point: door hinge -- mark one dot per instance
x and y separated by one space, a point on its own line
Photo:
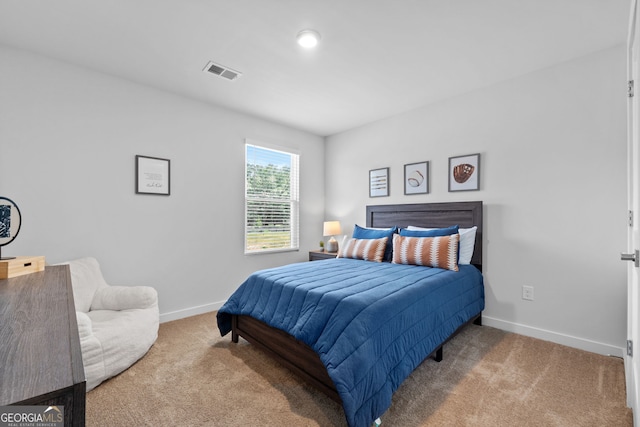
630 348
630 90
630 218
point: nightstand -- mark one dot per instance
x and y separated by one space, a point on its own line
318 255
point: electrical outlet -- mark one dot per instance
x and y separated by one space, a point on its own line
527 293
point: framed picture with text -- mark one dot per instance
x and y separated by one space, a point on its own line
153 175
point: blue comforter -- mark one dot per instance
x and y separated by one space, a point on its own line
371 323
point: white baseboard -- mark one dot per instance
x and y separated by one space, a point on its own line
192 311
558 338
530 331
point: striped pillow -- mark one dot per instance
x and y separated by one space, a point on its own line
365 249
440 252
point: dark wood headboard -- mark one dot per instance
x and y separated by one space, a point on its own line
464 214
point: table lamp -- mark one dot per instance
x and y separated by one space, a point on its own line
332 228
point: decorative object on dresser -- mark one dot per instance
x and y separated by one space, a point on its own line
10 222
42 360
117 324
332 228
21 265
464 173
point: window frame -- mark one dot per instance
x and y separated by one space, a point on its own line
293 200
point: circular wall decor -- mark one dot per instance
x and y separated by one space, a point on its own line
10 221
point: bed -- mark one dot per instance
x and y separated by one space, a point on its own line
356 329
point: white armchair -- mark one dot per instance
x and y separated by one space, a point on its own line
117 324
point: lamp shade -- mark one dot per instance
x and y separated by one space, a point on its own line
331 228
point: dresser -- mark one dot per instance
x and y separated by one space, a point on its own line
40 356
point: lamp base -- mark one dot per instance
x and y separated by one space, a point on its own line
332 245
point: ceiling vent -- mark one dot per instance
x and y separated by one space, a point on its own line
222 71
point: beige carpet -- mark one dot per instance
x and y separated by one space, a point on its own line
193 377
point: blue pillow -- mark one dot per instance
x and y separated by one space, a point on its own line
436 232
372 233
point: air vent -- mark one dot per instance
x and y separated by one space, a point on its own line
222 71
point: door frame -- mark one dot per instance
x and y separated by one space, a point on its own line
632 364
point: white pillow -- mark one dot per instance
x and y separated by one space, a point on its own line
467 242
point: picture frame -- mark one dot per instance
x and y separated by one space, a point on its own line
153 175
379 182
416 178
464 173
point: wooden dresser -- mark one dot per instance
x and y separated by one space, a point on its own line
40 356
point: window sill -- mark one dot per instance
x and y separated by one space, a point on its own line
272 251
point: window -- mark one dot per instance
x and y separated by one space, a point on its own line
271 200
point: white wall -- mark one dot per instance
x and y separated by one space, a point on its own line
553 181
68 137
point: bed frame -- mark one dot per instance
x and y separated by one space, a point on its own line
299 357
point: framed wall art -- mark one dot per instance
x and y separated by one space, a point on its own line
416 178
379 182
153 175
464 173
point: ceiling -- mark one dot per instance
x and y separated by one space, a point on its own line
377 58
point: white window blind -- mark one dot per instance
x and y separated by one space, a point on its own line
271 200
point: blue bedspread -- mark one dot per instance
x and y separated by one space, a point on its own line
371 323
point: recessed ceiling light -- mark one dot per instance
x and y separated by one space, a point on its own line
308 38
